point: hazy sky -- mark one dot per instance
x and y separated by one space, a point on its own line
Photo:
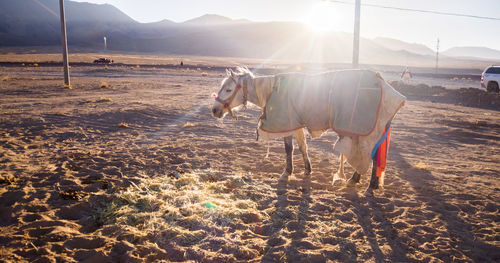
407 26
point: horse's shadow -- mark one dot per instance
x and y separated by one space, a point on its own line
276 250
462 240
368 211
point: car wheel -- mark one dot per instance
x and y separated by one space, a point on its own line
492 87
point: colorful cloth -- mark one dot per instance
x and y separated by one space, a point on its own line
381 150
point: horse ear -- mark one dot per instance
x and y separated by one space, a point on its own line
232 73
228 73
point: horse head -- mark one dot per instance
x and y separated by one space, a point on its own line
232 93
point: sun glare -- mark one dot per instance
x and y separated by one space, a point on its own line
321 18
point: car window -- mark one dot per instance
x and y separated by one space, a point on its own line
493 70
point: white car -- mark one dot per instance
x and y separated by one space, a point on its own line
490 79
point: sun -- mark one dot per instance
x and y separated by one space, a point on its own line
321 18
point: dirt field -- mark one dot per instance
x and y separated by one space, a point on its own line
136 169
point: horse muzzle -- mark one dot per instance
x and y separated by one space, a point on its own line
217 112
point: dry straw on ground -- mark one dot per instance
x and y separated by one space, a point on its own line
104 99
421 166
104 85
186 210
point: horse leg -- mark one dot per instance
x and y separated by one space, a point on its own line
381 155
289 154
354 179
301 140
374 181
340 173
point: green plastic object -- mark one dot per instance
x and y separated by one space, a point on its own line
210 205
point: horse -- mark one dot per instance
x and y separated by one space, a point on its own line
240 87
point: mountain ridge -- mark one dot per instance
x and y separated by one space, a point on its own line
210 35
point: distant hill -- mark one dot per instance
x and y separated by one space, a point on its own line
478 52
29 22
398 45
212 20
36 23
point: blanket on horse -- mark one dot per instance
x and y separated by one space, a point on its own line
357 104
345 101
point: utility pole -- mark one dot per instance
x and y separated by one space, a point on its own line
355 44
64 43
105 45
437 55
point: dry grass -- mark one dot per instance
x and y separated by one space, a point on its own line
22 65
104 99
104 85
204 74
6 78
421 166
188 124
68 86
35 65
123 125
187 210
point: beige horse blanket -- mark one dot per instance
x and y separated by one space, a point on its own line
357 104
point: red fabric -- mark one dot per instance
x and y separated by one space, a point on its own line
382 152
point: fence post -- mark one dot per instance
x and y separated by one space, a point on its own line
355 44
64 43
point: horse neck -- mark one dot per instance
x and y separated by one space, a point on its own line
261 90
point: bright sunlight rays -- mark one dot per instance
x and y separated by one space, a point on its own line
321 18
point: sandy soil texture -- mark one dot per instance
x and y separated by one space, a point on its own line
129 166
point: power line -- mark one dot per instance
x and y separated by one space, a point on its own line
417 10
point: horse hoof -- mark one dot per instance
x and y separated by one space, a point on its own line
351 183
284 177
369 192
337 180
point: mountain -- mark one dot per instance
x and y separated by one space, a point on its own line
29 22
398 45
36 23
478 52
212 20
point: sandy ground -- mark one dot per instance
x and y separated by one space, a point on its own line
138 170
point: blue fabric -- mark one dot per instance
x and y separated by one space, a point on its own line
382 139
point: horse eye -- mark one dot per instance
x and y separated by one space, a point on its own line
228 90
